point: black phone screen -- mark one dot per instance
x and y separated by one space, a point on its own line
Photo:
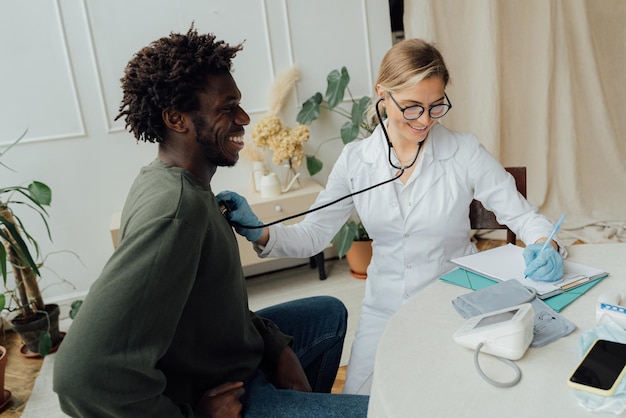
602 365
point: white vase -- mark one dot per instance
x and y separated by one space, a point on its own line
258 171
270 185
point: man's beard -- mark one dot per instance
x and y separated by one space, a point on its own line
214 154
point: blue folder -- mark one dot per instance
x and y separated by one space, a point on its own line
470 280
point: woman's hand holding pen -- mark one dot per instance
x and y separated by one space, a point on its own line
544 264
543 261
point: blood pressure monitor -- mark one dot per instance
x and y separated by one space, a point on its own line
505 333
611 306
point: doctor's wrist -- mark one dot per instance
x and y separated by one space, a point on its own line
553 243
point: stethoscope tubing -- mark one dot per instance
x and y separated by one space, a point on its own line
402 169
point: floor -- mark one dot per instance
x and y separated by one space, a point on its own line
19 377
21 372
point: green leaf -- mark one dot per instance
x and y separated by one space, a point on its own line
34 192
22 250
75 308
41 193
310 110
344 238
358 110
337 83
3 301
362 234
349 132
19 189
3 263
313 165
12 145
45 343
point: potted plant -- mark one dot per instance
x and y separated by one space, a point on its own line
35 321
6 394
356 127
354 243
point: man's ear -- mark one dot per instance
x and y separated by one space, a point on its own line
175 120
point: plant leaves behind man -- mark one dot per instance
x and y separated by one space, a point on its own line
75 307
40 193
45 343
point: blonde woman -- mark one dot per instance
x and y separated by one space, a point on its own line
418 215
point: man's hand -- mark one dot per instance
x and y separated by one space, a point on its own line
289 372
222 401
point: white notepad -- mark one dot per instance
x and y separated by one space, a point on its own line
506 262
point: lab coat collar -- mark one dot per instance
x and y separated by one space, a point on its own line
440 145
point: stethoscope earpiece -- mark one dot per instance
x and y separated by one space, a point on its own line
390 145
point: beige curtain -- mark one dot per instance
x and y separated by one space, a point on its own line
542 83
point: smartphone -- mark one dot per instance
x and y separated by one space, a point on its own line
601 368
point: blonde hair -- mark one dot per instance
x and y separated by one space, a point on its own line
407 63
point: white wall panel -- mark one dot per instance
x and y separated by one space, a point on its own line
118 30
330 41
36 79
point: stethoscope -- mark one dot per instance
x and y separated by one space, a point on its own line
401 168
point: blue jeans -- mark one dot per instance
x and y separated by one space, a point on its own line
318 327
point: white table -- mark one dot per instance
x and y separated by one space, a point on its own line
421 372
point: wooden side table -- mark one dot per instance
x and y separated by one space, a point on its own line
275 208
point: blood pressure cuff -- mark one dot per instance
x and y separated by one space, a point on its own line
615 403
549 325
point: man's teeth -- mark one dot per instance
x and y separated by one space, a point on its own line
237 139
418 128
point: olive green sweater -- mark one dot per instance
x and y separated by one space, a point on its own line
168 317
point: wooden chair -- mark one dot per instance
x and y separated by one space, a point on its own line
481 218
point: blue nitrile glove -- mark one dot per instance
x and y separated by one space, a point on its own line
240 215
546 265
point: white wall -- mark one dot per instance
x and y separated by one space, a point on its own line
61 61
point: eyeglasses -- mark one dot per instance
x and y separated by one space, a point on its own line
414 112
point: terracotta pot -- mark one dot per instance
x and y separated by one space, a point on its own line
358 257
31 330
5 395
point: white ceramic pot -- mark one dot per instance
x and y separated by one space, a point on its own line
270 185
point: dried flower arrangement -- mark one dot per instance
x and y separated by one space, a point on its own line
269 132
284 142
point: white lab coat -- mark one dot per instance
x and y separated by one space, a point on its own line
410 251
